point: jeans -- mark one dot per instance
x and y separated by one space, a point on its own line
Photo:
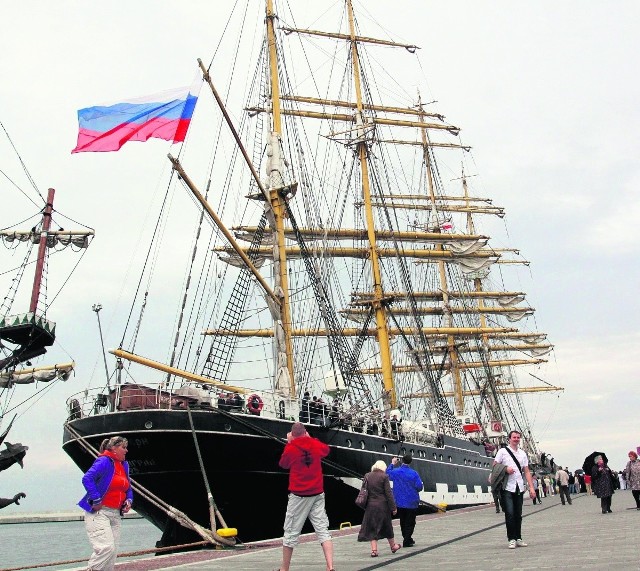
636 497
512 507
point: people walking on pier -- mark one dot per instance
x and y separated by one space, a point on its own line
376 523
602 483
632 473
407 486
562 477
108 497
587 483
302 456
536 487
4 502
517 465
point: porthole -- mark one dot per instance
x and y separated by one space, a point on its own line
349 443
440 457
465 461
422 454
450 459
435 456
148 424
411 452
384 447
403 451
227 427
362 445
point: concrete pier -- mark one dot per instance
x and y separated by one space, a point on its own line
576 536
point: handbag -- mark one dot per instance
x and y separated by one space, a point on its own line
363 495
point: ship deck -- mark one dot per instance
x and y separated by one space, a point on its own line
574 536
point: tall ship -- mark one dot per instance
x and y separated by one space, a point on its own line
339 272
27 330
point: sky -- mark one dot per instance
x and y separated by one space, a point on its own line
545 92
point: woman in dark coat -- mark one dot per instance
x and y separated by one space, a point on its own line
381 506
601 483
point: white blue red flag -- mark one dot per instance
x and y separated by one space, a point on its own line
165 115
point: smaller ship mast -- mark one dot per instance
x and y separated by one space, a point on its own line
42 251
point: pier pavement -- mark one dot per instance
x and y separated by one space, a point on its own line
576 536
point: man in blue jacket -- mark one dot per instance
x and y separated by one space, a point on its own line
406 487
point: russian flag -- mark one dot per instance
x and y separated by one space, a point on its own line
165 115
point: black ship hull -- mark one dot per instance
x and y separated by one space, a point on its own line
240 453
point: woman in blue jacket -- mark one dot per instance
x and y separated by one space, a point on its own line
108 497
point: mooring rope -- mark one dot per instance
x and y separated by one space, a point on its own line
206 534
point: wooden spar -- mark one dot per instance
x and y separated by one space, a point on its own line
499 390
175 371
353 105
223 109
437 295
349 252
42 251
236 247
459 366
420 144
347 233
32 370
351 37
497 210
430 310
49 233
375 120
352 331
440 197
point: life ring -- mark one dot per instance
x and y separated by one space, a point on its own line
255 404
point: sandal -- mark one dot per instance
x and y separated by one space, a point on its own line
395 548
374 553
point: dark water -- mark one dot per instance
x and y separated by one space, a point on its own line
24 544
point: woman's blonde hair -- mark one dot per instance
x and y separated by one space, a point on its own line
379 465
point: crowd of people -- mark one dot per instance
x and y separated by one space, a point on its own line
108 493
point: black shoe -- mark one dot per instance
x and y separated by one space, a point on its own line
604 511
497 511
609 512
408 543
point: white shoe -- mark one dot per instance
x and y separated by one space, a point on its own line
512 544
521 543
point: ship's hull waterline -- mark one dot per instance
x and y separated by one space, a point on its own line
241 464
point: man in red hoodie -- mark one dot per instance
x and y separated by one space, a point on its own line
302 456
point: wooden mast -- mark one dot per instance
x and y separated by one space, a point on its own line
42 251
378 293
451 342
276 188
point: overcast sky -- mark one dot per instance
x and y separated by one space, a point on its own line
546 93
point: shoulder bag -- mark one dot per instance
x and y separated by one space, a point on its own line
515 460
363 495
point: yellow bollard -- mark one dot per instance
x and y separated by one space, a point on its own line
345 524
442 507
227 532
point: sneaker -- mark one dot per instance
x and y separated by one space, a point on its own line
512 544
521 543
